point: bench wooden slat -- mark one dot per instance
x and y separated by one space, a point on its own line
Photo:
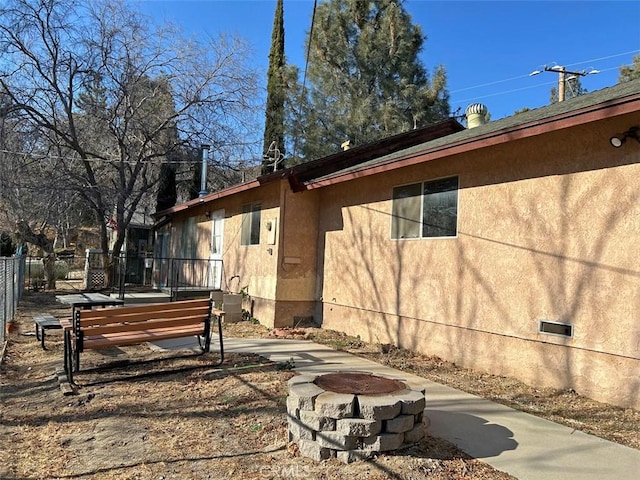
138 337
149 308
141 317
195 320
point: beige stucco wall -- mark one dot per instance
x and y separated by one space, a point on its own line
279 274
548 228
251 268
297 273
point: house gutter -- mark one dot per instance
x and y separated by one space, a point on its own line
561 121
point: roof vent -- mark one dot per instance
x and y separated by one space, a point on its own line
476 114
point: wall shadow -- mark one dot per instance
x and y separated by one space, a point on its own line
543 234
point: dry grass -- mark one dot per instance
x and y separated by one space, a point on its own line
171 418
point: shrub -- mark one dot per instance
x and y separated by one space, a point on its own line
35 268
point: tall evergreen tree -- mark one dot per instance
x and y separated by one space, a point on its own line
366 80
167 191
273 149
572 88
630 72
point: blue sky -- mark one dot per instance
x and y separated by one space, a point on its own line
488 48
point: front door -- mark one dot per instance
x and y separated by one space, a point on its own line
215 259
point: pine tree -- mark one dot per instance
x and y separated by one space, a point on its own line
572 88
167 191
630 72
273 149
365 78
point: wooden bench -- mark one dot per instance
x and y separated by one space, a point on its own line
122 326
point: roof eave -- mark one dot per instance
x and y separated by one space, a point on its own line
196 202
299 175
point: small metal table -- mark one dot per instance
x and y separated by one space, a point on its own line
44 322
86 301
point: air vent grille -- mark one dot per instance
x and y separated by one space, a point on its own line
556 328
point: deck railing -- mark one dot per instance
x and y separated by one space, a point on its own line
167 273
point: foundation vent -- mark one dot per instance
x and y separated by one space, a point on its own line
556 328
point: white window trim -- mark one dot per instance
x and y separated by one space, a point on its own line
421 238
251 205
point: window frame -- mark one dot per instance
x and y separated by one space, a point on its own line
189 241
251 223
420 222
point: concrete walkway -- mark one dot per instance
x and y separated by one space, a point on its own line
522 445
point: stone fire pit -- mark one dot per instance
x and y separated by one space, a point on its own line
352 415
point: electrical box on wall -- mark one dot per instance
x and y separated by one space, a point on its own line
272 228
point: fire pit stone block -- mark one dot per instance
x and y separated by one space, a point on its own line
313 450
380 407
335 405
416 434
304 395
298 430
317 422
383 442
400 424
358 427
304 378
412 401
336 441
349 456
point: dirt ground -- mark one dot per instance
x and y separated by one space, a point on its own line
179 418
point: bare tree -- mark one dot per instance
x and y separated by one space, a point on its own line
113 97
32 199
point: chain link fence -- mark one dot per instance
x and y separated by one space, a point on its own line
12 271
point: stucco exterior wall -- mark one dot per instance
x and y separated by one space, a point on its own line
548 228
297 272
278 274
252 268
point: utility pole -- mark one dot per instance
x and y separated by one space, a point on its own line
562 77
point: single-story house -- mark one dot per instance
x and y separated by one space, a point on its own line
512 247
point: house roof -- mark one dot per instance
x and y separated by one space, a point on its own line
358 155
299 174
437 141
608 102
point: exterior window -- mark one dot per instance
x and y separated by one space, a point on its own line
188 245
250 224
425 210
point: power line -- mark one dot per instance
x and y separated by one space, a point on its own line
306 68
604 58
524 76
37 157
504 92
487 84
